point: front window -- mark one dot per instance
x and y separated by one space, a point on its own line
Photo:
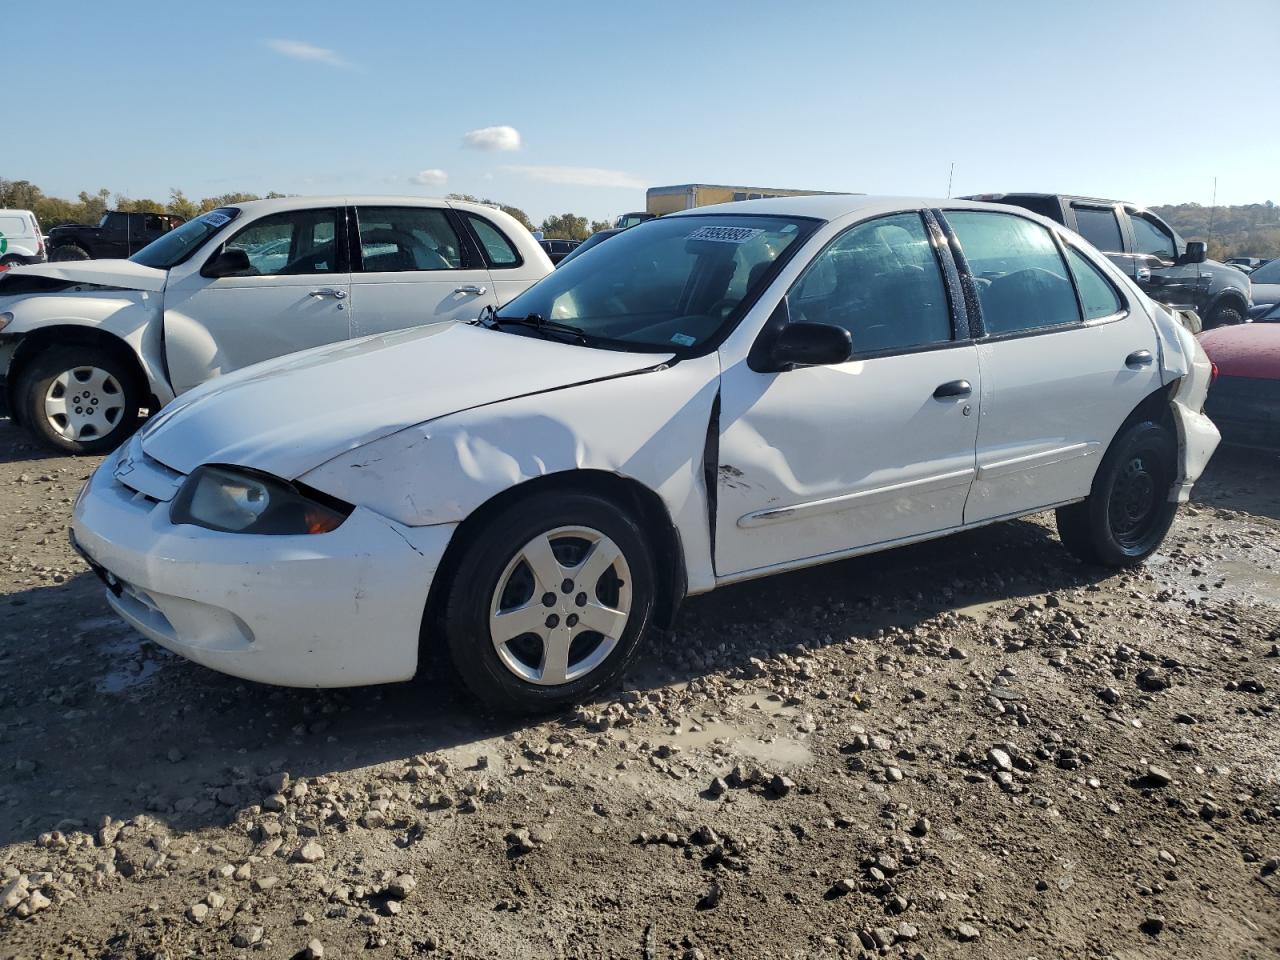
289 244
179 243
1151 239
667 284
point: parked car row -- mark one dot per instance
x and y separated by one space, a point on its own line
706 398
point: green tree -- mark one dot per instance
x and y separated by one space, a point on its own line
566 226
180 206
598 225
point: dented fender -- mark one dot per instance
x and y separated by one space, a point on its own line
650 427
1183 361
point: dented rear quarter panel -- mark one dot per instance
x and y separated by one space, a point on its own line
650 427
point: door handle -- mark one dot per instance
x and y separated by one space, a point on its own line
1139 358
954 388
330 292
470 288
1144 273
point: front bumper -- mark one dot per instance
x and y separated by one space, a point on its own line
330 610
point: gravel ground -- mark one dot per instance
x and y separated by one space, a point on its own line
974 748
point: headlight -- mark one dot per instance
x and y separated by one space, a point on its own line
241 501
6 318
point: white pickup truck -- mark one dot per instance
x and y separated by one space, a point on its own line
86 347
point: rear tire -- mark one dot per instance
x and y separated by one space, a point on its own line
1128 512
80 399
598 572
1226 315
68 251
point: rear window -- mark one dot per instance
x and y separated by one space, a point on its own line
1100 227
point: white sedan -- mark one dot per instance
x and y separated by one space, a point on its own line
709 397
85 346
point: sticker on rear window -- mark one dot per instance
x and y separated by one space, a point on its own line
726 234
683 339
216 219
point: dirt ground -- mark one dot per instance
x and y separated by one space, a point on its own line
975 747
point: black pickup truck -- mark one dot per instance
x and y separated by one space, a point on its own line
117 235
1168 268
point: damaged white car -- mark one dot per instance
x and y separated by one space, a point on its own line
710 397
86 346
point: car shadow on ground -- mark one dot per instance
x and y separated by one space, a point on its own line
17 446
99 721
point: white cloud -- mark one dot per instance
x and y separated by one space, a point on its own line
580 176
435 177
301 50
493 138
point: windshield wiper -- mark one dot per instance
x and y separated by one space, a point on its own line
535 321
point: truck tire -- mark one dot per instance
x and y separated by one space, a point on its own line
80 399
68 251
1226 314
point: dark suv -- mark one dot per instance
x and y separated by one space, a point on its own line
117 235
1168 268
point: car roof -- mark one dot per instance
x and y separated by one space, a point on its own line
281 204
834 206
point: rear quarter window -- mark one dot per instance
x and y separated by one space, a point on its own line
14 227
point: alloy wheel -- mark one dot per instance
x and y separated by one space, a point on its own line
561 605
84 403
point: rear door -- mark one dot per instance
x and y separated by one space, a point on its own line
1065 358
1100 224
293 296
414 265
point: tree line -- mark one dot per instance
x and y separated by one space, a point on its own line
1245 230
89 208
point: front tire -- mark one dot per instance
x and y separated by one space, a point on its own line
80 399
549 602
1128 511
68 251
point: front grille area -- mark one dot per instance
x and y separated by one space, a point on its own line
146 476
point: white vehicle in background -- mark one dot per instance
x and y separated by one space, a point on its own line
21 241
85 346
709 397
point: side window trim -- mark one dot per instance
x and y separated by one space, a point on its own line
956 327
473 238
1126 306
986 336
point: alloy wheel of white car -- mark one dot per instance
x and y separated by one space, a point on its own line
84 403
561 605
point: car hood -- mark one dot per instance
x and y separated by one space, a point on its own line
288 416
124 274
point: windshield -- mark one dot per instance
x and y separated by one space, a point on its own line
180 242
1267 273
666 284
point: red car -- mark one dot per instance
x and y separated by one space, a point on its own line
1244 400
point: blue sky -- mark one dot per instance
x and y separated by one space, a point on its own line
1147 102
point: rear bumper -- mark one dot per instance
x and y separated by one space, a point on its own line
331 610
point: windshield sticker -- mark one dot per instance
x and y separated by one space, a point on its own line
725 234
683 339
216 219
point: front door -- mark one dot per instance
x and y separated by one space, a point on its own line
1160 271
293 296
414 267
823 460
1064 359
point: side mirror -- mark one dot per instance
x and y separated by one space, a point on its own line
1197 252
809 345
229 263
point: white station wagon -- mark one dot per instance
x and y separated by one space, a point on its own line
708 397
86 345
